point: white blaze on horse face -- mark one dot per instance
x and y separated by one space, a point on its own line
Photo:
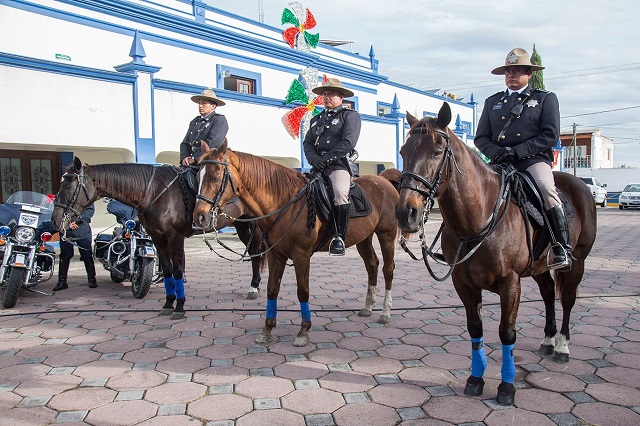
202 173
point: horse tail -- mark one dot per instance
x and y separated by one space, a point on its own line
393 176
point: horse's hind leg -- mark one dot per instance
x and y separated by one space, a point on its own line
371 262
567 285
547 291
302 266
472 300
387 246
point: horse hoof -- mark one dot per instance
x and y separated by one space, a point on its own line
561 358
384 319
364 312
301 341
252 294
263 339
474 387
546 350
506 394
176 315
166 311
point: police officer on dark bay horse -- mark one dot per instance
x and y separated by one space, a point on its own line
521 126
332 136
209 126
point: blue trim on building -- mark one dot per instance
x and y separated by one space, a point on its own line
238 72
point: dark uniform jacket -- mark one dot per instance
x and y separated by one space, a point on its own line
334 134
84 228
212 129
532 135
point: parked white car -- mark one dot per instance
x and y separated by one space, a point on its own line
597 189
630 197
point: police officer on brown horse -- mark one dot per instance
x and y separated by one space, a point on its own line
521 126
332 136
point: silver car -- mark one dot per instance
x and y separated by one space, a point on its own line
630 196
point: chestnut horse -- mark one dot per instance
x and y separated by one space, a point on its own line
277 196
156 193
488 250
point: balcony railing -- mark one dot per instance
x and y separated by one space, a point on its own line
583 161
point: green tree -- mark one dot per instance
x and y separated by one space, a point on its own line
537 80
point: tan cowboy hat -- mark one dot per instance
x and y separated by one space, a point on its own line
333 84
207 94
517 57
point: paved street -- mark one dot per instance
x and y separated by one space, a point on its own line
102 357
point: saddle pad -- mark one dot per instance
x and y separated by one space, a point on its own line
323 197
360 205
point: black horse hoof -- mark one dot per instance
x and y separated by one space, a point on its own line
474 387
546 350
560 358
506 394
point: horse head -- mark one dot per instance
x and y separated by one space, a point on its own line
75 194
425 154
213 190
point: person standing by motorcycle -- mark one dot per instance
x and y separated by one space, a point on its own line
79 233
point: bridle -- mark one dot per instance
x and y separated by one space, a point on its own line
226 179
66 216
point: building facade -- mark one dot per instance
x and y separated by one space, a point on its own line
592 151
110 81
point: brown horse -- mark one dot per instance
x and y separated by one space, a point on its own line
156 193
277 195
438 165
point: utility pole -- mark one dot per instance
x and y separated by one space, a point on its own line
260 11
574 149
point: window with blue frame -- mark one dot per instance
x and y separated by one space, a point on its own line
239 80
383 109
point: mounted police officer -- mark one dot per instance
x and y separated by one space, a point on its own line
331 138
521 126
80 233
209 126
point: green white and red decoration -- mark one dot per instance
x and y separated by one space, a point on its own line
302 20
298 119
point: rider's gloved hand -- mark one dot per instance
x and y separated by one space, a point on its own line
505 154
319 163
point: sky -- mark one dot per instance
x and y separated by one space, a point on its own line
590 49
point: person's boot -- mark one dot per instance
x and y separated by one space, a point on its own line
561 251
63 270
341 220
90 267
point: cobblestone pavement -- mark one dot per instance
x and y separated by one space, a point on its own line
101 357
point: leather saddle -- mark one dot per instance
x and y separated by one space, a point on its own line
322 193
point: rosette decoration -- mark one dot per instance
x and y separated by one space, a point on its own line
302 20
300 93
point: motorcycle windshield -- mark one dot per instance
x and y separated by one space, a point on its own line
32 199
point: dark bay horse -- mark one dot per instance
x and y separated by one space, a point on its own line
157 194
265 188
438 165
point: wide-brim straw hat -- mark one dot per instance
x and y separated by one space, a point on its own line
335 85
517 57
207 94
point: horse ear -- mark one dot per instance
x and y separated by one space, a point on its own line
204 147
411 119
444 115
77 164
223 148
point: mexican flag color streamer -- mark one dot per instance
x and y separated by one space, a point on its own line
302 20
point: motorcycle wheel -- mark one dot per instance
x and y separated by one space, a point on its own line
12 289
116 278
143 276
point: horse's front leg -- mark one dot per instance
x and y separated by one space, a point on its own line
277 262
178 278
371 263
472 299
509 303
302 265
547 291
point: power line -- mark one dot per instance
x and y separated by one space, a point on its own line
601 112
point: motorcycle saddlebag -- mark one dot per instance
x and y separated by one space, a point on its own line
101 245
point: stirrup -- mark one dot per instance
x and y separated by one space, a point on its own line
559 261
336 247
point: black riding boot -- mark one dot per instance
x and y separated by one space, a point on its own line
90 267
561 255
63 270
341 220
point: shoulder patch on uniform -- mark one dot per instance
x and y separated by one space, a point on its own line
497 94
540 90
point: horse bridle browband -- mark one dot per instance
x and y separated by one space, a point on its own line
226 178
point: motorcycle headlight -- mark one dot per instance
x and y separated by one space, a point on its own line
24 234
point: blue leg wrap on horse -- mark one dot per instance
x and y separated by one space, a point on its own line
179 288
478 358
272 308
304 311
169 286
508 364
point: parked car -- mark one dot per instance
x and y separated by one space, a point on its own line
597 189
630 196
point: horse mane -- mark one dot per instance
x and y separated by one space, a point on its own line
267 172
130 178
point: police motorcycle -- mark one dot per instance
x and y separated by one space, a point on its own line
127 252
27 258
